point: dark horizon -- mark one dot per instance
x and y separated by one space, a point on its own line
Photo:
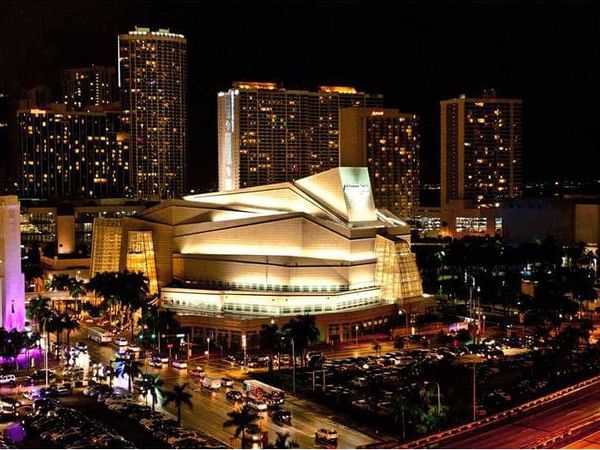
414 53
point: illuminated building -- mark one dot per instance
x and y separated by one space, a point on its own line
387 142
89 87
12 283
152 75
106 243
481 161
268 134
69 154
317 245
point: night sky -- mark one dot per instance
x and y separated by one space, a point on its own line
415 53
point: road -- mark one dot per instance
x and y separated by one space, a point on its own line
211 408
525 432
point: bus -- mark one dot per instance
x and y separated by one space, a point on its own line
263 393
99 335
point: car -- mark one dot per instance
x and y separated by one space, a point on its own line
135 348
63 389
252 436
197 372
40 375
155 363
257 406
234 396
9 404
8 379
226 382
179 364
282 416
121 341
189 442
81 346
326 435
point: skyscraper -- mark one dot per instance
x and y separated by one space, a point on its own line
72 154
89 87
152 75
387 142
12 282
481 160
269 134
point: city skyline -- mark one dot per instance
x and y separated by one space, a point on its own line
507 62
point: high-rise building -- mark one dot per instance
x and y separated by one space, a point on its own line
12 283
152 75
481 160
70 154
89 87
269 134
387 142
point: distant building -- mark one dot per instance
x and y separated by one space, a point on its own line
387 142
71 154
152 75
86 88
12 284
268 134
481 160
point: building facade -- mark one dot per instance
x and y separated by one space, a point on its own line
387 142
12 282
152 76
71 154
234 260
481 160
268 134
87 88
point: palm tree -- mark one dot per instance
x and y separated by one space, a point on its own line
303 329
54 324
38 309
153 385
16 341
180 397
283 441
241 420
76 290
60 282
269 339
69 324
129 367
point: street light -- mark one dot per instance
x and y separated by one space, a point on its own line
208 348
439 402
356 329
400 312
293 363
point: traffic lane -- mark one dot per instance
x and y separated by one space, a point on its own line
542 424
591 441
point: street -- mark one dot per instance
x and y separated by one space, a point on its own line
549 421
211 408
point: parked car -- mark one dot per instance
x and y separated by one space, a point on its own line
226 382
8 379
81 346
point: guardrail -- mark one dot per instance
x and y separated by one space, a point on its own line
503 415
568 433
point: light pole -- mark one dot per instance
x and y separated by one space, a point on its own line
46 351
293 364
208 349
356 337
401 312
483 328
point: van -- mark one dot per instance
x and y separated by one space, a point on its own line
8 379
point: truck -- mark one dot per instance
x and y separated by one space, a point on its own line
99 335
263 393
211 383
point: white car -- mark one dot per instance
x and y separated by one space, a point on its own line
178 364
325 435
121 341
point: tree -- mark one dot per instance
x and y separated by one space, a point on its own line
60 282
54 324
16 341
76 290
69 324
303 329
38 310
180 397
129 367
241 420
269 340
377 347
153 385
283 441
